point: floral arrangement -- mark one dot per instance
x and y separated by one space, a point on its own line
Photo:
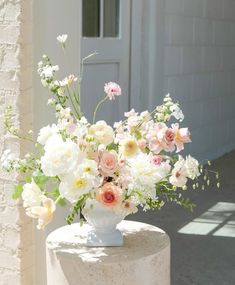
134 163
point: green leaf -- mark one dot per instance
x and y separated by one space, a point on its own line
62 202
18 191
39 178
137 135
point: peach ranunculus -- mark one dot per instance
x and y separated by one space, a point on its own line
108 163
182 136
109 195
43 213
112 89
102 132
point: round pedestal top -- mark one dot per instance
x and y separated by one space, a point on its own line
140 240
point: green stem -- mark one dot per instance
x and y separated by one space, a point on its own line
97 107
71 100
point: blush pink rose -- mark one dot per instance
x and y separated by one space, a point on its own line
112 89
108 163
109 195
166 137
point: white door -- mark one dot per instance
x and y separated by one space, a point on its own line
106 30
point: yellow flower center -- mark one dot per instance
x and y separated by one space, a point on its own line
79 183
87 169
130 148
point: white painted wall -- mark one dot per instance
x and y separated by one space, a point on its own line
199 70
16 230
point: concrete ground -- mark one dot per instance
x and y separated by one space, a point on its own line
204 253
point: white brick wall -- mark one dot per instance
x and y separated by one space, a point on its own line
16 242
200 70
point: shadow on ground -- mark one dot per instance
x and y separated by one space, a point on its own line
202 242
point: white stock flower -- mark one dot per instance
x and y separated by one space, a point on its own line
7 157
62 38
45 133
31 195
48 71
60 156
177 112
191 165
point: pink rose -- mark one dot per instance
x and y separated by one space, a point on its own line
109 195
166 137
108 163
112 89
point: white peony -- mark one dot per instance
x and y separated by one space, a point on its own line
145 171
102 132
60 156
45 133
191 165
31 195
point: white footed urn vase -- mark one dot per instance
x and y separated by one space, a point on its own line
103 221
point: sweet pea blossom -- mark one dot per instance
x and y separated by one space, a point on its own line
182 136
179 173
112 89
43 213
31 195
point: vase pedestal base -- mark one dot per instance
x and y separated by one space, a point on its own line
99 238
144 257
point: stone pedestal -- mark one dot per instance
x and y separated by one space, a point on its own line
143 259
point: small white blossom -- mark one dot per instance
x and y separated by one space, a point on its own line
62 38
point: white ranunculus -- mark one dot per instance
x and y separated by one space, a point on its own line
31 195
45 133
102 132
191 165
74 185
60 156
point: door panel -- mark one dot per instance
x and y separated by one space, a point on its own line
110 64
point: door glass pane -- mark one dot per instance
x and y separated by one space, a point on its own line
111 18
90 18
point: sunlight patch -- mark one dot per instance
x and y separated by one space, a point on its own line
219 221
